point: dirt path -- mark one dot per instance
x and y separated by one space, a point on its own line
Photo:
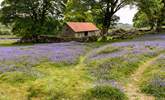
132 88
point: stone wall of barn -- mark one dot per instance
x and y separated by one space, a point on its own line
94 33
90 34
68 32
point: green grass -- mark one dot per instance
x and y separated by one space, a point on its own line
8 36
108 50
12 42
7 42
54 82
154 79
16 78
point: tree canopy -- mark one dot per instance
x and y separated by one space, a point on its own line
77 10
86 11
151 13
29 18
105 10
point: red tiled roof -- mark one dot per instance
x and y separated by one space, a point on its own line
82 26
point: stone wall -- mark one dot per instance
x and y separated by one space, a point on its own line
90 34
68 32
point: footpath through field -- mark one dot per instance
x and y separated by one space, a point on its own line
132 88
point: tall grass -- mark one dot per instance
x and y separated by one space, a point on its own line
153 82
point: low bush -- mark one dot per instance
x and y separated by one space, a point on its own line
105 93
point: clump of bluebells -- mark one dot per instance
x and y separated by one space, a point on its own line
68 53
124 48
122 62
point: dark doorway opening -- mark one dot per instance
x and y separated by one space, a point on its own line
86 33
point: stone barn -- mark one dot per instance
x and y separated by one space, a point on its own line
80 30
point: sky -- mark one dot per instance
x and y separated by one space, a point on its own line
126 14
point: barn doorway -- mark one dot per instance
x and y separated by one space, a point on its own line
86 34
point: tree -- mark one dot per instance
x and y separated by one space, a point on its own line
153 11
80 10
106 10
163 10
161 19
141 20
76 10
31 18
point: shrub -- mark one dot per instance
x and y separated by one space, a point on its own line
105 93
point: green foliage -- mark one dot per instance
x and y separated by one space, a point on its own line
105 93
30 18
27 28
81 11
104 12
94 11
77 11
5 30
140 20
149 13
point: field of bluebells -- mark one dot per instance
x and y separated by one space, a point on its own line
81 71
